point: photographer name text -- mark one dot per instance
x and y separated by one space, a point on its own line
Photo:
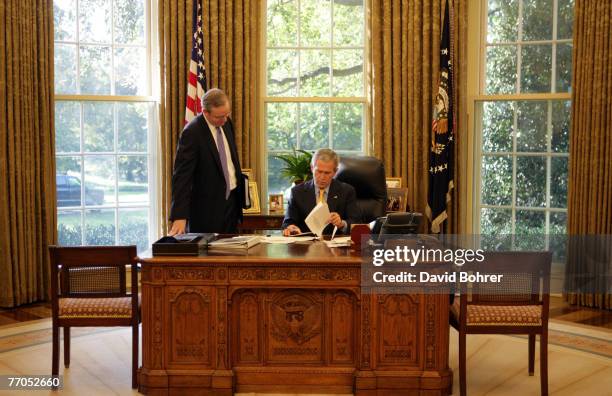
426 277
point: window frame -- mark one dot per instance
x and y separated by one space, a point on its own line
151 99
265 99
477 97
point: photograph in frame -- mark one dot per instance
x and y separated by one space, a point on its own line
275 203
396 199
394 182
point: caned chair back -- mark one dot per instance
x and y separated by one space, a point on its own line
525 279
92 271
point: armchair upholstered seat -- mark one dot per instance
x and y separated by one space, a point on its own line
500 315
367 176
117 307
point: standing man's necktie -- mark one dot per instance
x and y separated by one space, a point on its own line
223 158
321 195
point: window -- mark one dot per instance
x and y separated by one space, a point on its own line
523 111
104 122
315 79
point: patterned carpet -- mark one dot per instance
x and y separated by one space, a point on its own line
581 338
580 361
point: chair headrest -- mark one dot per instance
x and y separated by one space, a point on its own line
366 174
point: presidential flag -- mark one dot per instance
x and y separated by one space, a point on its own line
196 84
441 153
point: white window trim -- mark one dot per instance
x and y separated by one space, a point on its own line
472 149
152 68
262 175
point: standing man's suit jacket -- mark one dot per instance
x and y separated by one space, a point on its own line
341 198
198 184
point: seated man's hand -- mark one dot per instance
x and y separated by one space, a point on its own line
178 227
335 219
291 230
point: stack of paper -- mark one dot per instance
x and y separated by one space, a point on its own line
287 240
237 242
339 242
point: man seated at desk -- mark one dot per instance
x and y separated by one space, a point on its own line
339 196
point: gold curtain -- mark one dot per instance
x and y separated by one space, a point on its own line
590 171
231 53
404 39
174 21
27 162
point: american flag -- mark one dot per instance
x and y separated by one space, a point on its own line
196 85
443 127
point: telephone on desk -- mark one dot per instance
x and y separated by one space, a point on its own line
396 223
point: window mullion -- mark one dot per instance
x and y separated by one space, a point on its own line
112 49
116 156
553 73
78 48
331 57
299 50
519 47
514 161
548 164
330 121
82 161
298 126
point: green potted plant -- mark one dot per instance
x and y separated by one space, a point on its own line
297 166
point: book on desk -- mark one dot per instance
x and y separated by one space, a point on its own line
237 242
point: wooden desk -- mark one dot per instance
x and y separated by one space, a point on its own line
262 221
286 318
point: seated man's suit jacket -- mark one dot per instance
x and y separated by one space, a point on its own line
341 198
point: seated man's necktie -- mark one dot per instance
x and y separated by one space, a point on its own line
321 195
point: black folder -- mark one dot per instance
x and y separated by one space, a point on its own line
182 245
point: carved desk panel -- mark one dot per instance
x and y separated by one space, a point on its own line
286 319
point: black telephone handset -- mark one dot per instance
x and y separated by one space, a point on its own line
376 225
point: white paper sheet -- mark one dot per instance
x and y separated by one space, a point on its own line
318 218
339 242
286 240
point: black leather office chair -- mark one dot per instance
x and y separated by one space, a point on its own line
367 176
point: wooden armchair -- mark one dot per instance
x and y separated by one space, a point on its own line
518 304
92 292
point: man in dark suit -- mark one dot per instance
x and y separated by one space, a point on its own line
339 196
207 184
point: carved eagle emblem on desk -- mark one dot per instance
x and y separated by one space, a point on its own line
295 318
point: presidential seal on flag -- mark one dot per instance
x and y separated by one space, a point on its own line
441 155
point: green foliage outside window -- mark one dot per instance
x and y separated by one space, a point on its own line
315 49
100 49
525 143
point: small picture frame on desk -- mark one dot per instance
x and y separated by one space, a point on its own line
254 194
394 182
275 203
396 199
249 173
